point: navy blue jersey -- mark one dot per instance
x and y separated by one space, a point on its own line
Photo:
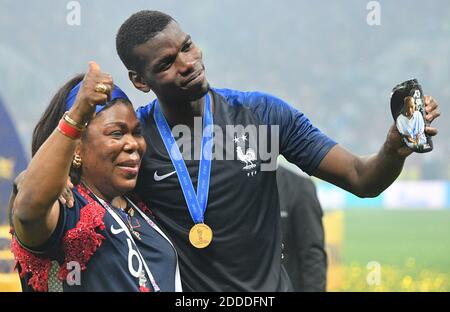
243 208
115 264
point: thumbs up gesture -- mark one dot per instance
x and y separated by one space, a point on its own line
95 90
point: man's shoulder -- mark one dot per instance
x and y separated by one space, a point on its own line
142 112
259 102
226 92
246 98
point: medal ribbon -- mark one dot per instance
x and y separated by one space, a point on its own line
196 202
122 224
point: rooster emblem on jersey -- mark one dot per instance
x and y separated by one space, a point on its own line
248 157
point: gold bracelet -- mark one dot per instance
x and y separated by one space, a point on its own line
72 122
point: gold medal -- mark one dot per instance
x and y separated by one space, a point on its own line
200 235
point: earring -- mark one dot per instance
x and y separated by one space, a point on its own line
76 162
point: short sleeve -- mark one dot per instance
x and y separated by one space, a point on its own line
300 141
48 248
67 220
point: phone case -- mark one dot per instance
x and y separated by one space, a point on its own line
408 111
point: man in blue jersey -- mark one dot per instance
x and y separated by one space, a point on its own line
222 213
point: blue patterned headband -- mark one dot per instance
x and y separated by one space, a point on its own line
116 93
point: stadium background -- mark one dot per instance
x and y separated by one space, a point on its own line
322 57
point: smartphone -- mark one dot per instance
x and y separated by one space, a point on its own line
408 111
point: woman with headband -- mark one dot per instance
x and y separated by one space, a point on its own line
108 241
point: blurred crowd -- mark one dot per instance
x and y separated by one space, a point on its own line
322 57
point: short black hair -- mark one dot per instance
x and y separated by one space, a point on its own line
136 30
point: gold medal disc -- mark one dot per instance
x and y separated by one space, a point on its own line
200 235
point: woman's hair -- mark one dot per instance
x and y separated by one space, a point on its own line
50 119
53 114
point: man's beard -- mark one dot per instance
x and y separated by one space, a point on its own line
200 94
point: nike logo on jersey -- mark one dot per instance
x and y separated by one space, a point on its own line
116 231
158 178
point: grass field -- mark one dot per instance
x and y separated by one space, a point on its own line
412 248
